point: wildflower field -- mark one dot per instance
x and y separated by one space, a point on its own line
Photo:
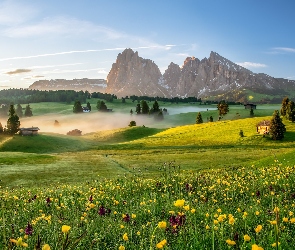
233 208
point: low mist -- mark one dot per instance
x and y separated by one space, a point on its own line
86 122
95 121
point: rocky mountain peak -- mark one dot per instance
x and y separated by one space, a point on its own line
133 75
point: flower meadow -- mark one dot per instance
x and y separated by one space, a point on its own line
229 208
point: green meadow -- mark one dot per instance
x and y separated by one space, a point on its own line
171 184
141 150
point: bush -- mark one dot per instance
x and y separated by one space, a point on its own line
132 124
75 132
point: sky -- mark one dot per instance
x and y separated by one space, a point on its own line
81 39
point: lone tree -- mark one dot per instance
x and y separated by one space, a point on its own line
290 111
138 109
132 124
28 111
156 107
13 122
145 107
251 112
284 106
277 128
19 110
222 107
131 112
211 118
101 106
89 106
199 118
77 107
1 128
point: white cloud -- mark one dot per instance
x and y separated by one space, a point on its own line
12 12
83 51
61 26
251 65
284 49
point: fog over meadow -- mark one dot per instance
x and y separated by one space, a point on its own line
97 121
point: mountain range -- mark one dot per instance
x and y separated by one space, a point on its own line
214 77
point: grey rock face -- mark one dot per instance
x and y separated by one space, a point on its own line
133 75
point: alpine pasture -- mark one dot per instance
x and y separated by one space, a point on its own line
171 184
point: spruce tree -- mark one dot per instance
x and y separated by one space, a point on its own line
101 106
28 111
145 107
290 110
222 107
277 128
156 107
1 128
88 106
77 107
19 110
138 109
284 106
13 122
251 112
199 118
211 118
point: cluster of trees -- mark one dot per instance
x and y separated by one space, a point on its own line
107 97
288 109
143 108
19 110
8 96
78 107
164 99
13 122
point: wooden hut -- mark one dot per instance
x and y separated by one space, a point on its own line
263 127
29 131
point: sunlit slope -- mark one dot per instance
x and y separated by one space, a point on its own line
45 143
217 134
122 134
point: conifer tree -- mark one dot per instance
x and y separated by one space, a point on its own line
138 109
28 111
19 110
1 128
101 106
88 106
144 108
199 118
13 122
77 107
251 112
277 128
222 107
284 106
290 110
211 118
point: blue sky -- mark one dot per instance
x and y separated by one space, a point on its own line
81 39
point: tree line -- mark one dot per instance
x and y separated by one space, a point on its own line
9 96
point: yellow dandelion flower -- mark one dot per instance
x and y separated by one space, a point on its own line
230 242
179 203
46 247
162 224
193 211
65 229
133 216
161 244
138 233
285 219
125 237
121 247
256 247
275 244
258 228
292 220
247 237
207 227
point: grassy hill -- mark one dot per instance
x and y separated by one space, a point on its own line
141 151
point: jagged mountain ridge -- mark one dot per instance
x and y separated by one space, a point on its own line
91 85
213 77
216 75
